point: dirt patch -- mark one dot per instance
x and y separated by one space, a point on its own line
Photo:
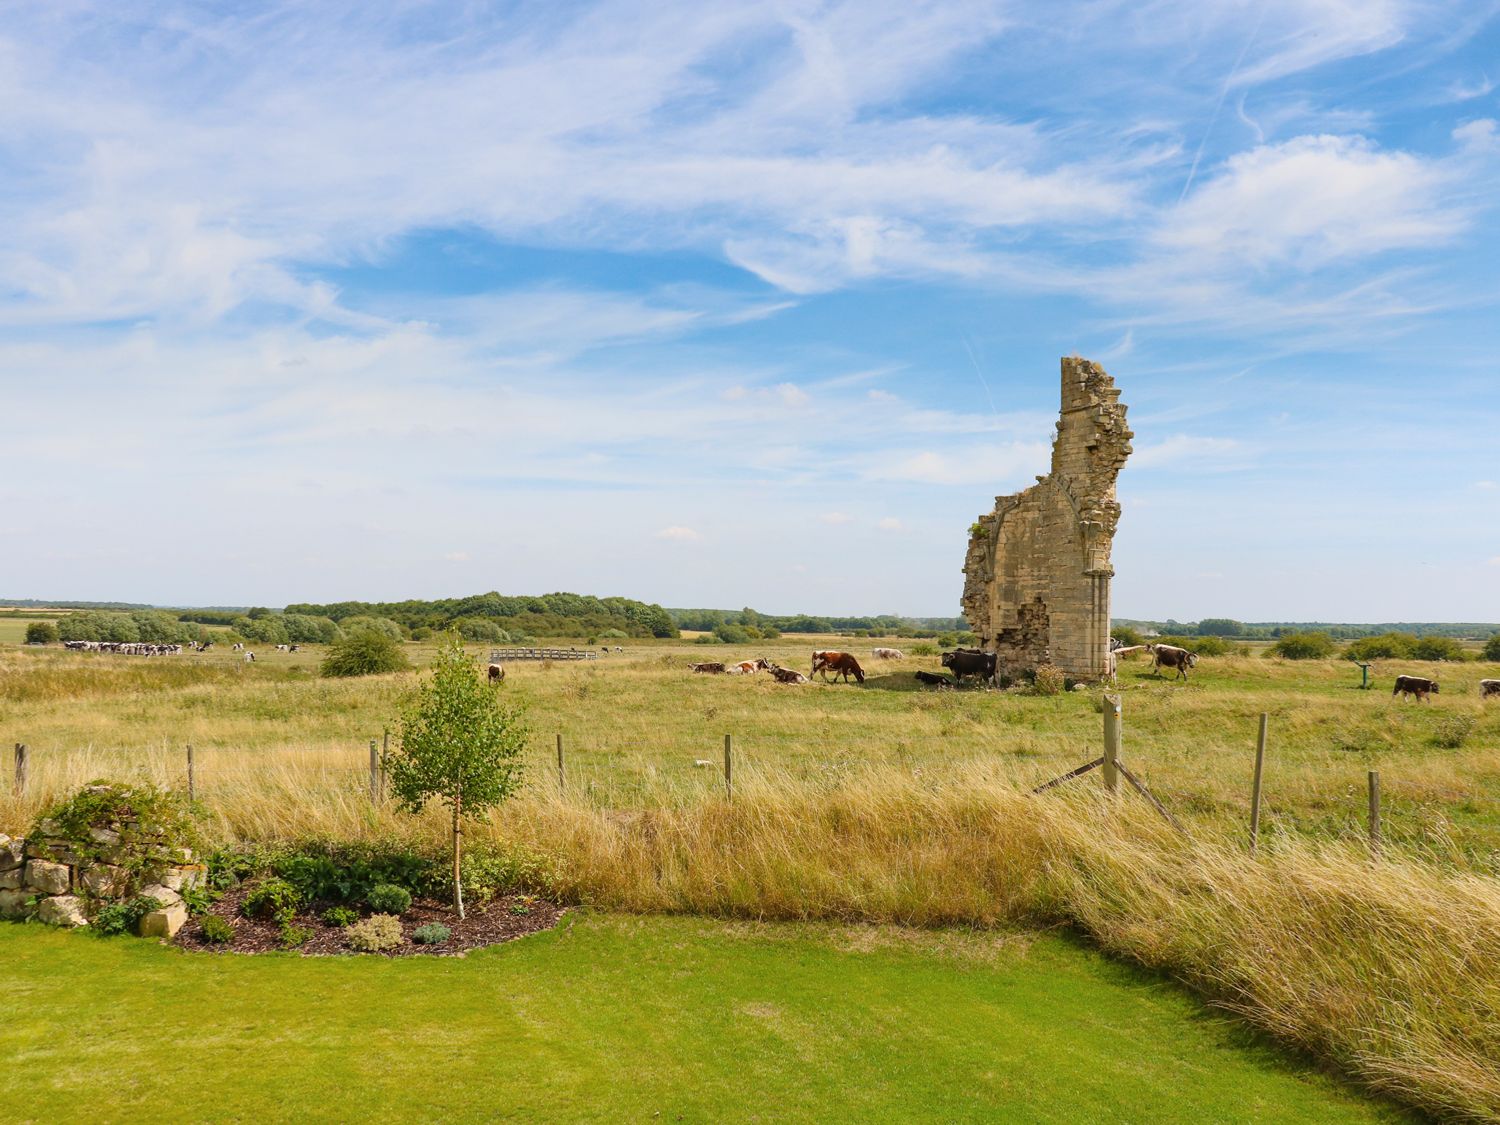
499 920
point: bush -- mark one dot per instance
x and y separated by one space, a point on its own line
1304 646
340 916
41 633
216 930
365 652
1492 648
1127 636
375 934
1438 648
293 936
388 898
434 933
123 917
1048 680
340 872
707 639
492 871
924 649
733 634
1386 646
275 899
362 623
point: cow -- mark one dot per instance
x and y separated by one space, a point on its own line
283 648
237 647
970 662
1489 689
249 658
787 675
888 654
935 679
1414 685
1170 656
295 648
497 673
840 664
708 667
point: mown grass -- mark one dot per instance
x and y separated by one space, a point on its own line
614 1018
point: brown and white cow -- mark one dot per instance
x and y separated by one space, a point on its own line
709 667
1489 689
497 673
1418 686
1170 656
888 654
839 663
787 675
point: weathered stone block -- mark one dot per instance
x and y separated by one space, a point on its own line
62 910
104 835
47 877
164 922
11 880
12 853
184 878
13 904
106 881
164 895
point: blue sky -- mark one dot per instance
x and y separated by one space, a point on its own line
751 303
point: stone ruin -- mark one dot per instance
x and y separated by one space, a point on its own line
1036 578
45 877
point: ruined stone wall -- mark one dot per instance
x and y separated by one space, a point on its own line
1036 578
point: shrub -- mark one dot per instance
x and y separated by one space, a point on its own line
1386 646
1048 680
388 898
1126 635
216 930
498 870
123 917
924 649
733 634
275 899
434 933
1492 648
707 639
41 633
1438 648
365 652
375 934
293 936
341 872
362 623
1304 646
1453 731
340 916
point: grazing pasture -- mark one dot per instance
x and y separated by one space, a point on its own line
615 1018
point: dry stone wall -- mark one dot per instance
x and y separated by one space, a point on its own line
1036 577
44 877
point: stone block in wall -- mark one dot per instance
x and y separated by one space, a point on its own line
49 878
105 881
15 904
187 877
11 880
12 852
62 910
164 895
164 922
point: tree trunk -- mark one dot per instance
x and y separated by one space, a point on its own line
458 837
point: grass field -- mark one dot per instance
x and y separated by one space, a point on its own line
884 804
615 1018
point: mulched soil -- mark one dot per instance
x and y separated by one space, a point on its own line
500 919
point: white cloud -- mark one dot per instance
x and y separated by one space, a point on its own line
1487 485
1310 201
1183 447
994 464
1493 561
679 534
890 523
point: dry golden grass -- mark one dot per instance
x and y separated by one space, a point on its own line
888 805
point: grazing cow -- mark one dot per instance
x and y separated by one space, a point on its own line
1170 656
935 679
295 648
970 662
708 667
1489 689
249 658
840 664
237 647
1414 685
787 675
888 654
283 648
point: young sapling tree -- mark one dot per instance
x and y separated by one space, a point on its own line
458 743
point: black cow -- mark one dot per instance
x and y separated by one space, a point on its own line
970 662
1414 685
934 679
1489 689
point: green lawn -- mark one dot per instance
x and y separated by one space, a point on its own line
615 1018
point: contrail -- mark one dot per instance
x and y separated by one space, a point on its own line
1218 105
968 347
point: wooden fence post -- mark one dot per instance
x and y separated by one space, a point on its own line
374 773
560 775
729 767
21 768
1375 812
1260 762
1112 741
191 792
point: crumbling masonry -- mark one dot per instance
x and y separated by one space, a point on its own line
1036 579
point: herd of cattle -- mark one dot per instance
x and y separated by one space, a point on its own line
129 648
